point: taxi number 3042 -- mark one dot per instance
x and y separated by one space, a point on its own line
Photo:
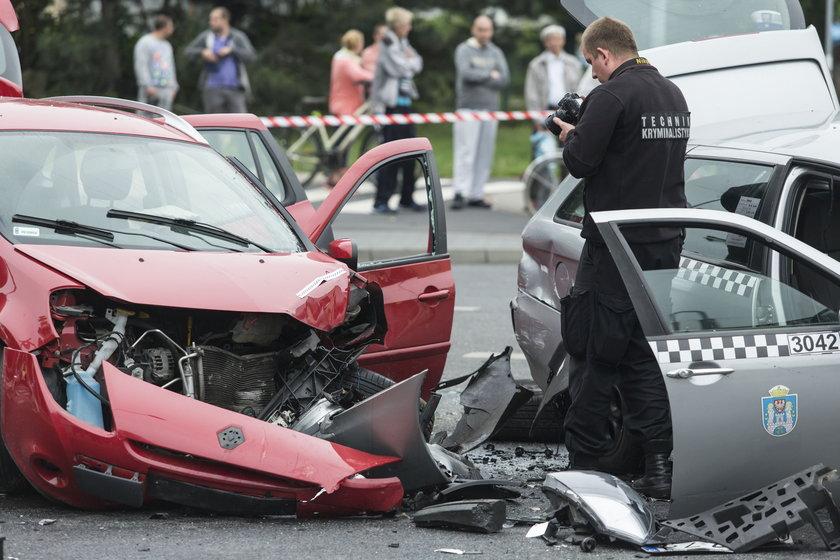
814 342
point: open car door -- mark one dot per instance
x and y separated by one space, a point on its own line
415 274
748 342
11 80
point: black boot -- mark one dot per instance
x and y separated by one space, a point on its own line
657 480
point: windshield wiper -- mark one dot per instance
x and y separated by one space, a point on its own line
191 225
64 226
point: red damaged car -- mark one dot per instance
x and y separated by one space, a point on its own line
171 332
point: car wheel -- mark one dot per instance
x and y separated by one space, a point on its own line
626 456
11 479
548 427
367 383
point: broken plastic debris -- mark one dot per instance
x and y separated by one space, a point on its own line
489 399
770 513
46 522
697 547
482 516
537 530
457 551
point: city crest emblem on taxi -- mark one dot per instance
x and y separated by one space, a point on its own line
779 411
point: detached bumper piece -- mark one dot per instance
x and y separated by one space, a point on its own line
480 516
770 514
220 501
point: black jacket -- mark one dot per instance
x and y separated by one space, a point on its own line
630 146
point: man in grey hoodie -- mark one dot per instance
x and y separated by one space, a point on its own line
224 80
480 72
154 65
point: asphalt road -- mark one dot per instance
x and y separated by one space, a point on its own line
37 529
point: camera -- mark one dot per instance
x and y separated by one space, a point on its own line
568 110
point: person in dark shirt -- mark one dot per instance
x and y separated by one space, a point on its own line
629 145
224 80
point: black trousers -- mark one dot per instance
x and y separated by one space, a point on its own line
387 177
607 348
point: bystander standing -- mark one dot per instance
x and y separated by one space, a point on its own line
393 91
224 80
480 72
347 77
371 52
154 65
551 74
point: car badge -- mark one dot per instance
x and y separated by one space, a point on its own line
231 437
779 411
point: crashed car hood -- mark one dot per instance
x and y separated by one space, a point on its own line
310 287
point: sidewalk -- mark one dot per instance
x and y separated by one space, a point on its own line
473 235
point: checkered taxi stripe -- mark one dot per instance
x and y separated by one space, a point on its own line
732 281
720 348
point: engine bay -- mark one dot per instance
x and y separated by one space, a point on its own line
268 366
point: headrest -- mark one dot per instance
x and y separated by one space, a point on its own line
106 172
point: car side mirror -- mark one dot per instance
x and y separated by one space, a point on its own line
344 250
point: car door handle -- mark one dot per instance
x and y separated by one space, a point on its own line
433 296
685 373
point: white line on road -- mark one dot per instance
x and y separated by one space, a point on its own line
485 355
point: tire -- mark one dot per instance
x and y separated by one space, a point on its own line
542 178
11 479
305 151
548 428
626 456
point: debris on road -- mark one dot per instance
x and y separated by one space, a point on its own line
489 399
44 522
456 551
770 513
481 516
595 503
693 547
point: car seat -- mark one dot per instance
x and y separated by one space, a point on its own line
819 226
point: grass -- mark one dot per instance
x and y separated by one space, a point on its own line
513 149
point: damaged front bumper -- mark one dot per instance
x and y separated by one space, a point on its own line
170 447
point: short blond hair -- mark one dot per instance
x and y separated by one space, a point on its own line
397 16
353 39
611 35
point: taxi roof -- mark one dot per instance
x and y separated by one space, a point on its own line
33 114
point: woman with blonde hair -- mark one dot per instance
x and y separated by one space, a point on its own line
347 77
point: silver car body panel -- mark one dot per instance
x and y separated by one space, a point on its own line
721 448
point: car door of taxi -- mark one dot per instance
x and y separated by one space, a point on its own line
405 253
749 345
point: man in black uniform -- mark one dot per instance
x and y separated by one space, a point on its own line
630 145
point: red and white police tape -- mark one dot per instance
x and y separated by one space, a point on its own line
400 118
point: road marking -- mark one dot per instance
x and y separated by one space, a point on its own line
485 355
467 308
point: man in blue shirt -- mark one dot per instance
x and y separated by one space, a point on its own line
225 50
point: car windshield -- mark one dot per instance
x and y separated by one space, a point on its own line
51 178
665 22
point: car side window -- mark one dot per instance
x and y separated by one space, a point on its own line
232 143
572 208
702 295
405 233
270 176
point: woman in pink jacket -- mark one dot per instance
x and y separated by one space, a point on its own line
347 77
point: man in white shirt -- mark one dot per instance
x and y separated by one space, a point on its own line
552 73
